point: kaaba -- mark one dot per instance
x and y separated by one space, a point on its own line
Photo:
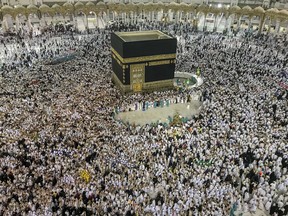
143 60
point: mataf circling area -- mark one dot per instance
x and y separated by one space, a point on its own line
163 111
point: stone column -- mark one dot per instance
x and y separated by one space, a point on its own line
170 14
43 20
215 23
269 24
249 23
261 24
17 23
97 20
135 16
5 24
161 14
29 23
107 16
86 21
277 28
204 23
226 22
238 22
75 21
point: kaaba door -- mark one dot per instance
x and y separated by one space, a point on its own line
137 76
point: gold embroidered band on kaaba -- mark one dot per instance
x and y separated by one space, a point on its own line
143 58
146 86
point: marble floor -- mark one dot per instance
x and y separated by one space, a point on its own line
153 115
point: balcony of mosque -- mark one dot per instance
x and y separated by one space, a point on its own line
61 2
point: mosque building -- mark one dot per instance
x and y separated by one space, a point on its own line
217 16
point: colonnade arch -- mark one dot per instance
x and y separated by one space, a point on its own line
172 12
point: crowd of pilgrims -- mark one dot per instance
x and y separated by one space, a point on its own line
57 120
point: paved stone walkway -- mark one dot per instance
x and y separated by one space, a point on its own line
153 115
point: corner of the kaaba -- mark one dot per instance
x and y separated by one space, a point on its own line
143 65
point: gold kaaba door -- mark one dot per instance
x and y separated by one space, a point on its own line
137 76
